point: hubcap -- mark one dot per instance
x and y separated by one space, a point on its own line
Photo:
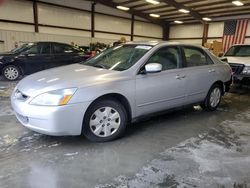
11 73
215 97
105 122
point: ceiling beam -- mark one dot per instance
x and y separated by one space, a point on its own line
153 8
127 2
111 4
139 5
226 9
208 4
178 6
233 13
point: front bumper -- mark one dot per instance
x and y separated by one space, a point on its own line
51 120
240 76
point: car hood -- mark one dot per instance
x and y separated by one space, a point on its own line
75 75
7 55
240 60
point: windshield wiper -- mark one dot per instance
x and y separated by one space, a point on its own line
100 66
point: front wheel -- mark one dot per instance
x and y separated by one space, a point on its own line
11 72
104 121
213 98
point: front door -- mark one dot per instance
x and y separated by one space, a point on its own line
163 90
36 58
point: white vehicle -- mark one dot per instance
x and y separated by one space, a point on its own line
238 57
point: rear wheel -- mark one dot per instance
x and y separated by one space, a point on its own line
11 72
213 98
105 120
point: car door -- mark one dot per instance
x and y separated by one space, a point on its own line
200 72
162 90
36 58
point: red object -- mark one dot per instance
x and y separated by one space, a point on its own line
234 33
2 2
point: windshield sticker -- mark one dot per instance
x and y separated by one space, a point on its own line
144 47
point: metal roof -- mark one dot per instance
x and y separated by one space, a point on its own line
168 9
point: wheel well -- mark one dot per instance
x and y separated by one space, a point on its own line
123 100
221 84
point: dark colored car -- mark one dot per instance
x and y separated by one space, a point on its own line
37 56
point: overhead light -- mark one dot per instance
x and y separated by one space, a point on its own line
178 22
154 15
184 10
122 8
153 2
238 3
206 19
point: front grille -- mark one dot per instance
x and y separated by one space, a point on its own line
236 68
20 96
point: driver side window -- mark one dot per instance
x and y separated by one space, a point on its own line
35 49
168 57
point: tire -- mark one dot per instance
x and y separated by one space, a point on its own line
104 121
213 98
11 72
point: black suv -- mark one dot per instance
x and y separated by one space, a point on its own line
37 56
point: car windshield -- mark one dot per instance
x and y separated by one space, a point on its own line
239 51
119 58
22 48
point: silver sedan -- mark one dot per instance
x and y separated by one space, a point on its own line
100 97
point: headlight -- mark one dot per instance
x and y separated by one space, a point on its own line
246 70
1 57
54 98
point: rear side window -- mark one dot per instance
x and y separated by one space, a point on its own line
195 57
35 49
63 48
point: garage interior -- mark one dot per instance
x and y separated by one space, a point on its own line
184 148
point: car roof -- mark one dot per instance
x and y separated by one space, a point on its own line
154 43
44 42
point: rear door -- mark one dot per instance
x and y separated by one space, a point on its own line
65 54
200 72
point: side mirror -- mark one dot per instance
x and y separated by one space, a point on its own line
153 68
224 59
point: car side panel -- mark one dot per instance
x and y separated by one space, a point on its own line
125 88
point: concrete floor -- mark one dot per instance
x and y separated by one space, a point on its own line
187 148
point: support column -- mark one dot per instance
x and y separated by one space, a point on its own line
205 33
93 19
35 14
166 28
132 27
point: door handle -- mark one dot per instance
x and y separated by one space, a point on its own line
180 77
211 70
